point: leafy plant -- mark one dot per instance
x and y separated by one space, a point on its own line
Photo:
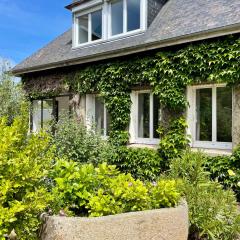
74 141
213 210
85 190
226 170
141 163
24 162
122 194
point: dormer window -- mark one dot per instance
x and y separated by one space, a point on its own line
89 26
96 20
125 16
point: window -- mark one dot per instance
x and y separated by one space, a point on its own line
125 16
133 15
102 117
97 114
117 17
42 114
212 116
101 20
46 110
90 27
145 119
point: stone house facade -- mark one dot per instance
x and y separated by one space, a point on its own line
103 30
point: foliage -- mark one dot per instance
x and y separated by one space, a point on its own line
226 170
24 162
213 210
141 163
167 72
119 138
173 140
74 141
12 99
85 190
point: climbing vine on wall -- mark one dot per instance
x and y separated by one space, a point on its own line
168 72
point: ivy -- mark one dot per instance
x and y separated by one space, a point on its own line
167 72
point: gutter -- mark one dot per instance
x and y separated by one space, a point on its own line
203 35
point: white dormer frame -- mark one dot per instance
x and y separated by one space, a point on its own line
88 12
94 5
143 20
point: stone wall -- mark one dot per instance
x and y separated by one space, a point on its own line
236 117
45 82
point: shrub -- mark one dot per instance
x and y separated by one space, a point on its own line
141 163
74 141
226 170
85 190
213 210
24 162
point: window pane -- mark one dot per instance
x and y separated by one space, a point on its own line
99 114
204 114
117 17
96 25
83 29
133 15
143 115
47 113
62 107
224 114
36 115
156 116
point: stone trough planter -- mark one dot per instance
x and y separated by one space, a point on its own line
160 224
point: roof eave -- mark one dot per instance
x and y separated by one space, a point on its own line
218 32
75 4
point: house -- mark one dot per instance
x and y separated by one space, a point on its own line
105 31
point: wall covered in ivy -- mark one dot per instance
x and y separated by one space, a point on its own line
167 72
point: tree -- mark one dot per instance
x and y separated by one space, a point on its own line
12 100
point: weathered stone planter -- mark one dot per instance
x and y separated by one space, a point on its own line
161 224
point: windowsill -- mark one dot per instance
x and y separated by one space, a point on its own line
145 141
110 39
213 152
212 145
208 151
143 145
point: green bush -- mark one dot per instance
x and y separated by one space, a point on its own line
74 141
141 163
226 170
213 210
88 191
24 162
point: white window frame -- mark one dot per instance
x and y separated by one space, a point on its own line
90 113
96 5
76 26
143 19
192 118
134 120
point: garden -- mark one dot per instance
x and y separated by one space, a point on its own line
73 172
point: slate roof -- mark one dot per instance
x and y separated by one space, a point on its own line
178 21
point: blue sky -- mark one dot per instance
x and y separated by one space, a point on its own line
27 25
